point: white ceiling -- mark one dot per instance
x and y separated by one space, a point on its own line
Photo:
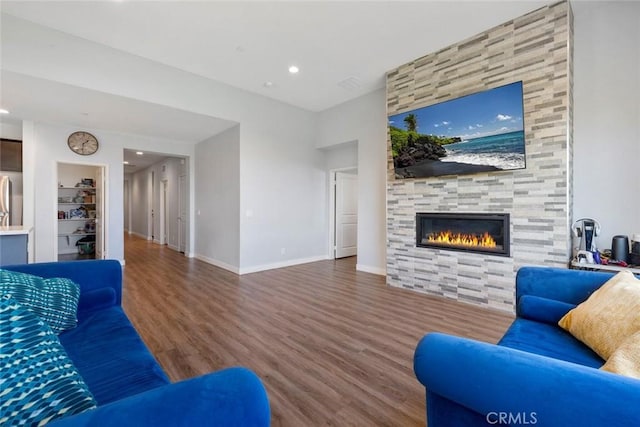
343 48
55 102
138 162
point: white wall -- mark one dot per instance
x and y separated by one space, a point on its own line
50 147
44 146
607 116
70 174
341 156
10 129
364 120
217 184
282 191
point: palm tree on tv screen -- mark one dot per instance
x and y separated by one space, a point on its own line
412 122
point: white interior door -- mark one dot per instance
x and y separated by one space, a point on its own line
100 210
151 203
164 217
182 214
127 208
346 222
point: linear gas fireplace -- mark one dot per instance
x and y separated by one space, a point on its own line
468 232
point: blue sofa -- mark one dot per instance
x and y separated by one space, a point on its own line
124 377
537 374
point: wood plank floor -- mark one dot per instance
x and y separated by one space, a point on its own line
333 346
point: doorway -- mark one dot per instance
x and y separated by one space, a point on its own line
82 206
159 197
343 213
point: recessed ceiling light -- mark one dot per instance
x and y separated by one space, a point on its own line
3 111
267 84
125 162
293 69
139 153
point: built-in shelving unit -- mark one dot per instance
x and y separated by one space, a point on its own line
76 217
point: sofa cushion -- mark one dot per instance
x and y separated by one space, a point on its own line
95 300
542 309
38 382
626 359
548 340
609 316
54 300
111 357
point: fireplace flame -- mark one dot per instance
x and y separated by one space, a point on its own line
462 239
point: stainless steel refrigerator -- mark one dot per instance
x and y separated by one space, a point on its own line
5 201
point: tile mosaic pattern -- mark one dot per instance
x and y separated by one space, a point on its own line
537 49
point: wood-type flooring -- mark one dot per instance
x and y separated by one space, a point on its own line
332 345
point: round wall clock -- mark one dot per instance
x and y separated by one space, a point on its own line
83 143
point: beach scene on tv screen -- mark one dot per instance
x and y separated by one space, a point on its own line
482 132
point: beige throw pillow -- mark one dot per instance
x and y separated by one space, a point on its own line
626 359
608 317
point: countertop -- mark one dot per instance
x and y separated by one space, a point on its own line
12 230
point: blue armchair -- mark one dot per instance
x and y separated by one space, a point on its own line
537 374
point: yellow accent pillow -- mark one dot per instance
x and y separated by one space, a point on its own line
608 317
626 359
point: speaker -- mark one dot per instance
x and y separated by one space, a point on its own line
620 248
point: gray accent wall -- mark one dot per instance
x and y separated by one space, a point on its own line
537 49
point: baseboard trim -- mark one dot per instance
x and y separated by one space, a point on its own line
217 263
258 268
372 270
288 263
142 236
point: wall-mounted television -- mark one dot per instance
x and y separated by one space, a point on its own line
481 132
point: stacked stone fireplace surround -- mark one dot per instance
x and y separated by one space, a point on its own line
536 49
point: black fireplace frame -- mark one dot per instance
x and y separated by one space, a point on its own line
503 217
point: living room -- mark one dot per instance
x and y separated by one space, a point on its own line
259 182
361 119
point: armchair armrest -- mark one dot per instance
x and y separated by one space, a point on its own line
91 275
486 378
230 397
569 286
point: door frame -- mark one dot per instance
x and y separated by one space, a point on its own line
162 208
183 197
126 195
331 254
151 178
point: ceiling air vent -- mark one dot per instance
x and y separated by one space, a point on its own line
350 83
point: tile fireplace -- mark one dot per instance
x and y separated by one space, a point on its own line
467 232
